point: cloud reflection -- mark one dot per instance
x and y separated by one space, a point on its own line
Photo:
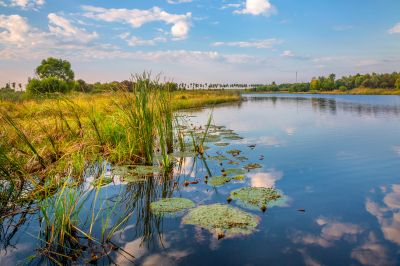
267 179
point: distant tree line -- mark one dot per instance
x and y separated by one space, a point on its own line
330 83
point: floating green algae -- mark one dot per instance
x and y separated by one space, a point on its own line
216 181
234 152
221 144
235 171
222 220
256 197
171 205
251 166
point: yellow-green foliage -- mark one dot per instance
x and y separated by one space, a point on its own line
222 220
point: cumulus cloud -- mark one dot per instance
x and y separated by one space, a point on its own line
267 43
13 29
257 7
63 27
395 29
137 18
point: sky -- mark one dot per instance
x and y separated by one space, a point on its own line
238 41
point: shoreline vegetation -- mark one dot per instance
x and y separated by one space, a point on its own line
357 91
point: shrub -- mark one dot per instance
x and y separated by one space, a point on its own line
48 85
343 88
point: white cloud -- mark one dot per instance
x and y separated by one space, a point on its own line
231 6
60 26
136 18
287 53
15 28
257 7
395 29
27 4
136 41
174 2
267 43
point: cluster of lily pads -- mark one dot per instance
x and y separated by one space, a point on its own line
221 219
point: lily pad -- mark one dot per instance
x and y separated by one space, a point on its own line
171 205
222 220
218 158
235 171
233 137
146 170
216 181
221 144
234 152
233 162
256 197
212 138
251 166
239 178
242 158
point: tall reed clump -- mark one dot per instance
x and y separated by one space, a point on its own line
148 118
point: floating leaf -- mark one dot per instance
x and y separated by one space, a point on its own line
234 152
216 181
222 220
256 197
171 205
233 162
218 158
146 170
252 166
221 144
239 177
184 154
235 171
233 137
242 158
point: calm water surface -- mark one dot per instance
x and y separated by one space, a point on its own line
336 157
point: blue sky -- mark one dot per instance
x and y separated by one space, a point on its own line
201 40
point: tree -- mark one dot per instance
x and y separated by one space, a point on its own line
48 85
397 84
57 68
314 84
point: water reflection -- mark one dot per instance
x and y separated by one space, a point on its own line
267 179
388 212
331 104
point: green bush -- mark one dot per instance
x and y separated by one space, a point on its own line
48 85
343 88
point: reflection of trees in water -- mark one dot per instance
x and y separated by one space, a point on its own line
331 105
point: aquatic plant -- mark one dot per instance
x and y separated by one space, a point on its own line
216 181
222 220
234 152
256 197
171 205
251 166
235 171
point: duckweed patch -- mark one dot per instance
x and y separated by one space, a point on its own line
256 197
216 181
222 220
171 205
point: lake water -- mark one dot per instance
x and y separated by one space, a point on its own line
335 158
